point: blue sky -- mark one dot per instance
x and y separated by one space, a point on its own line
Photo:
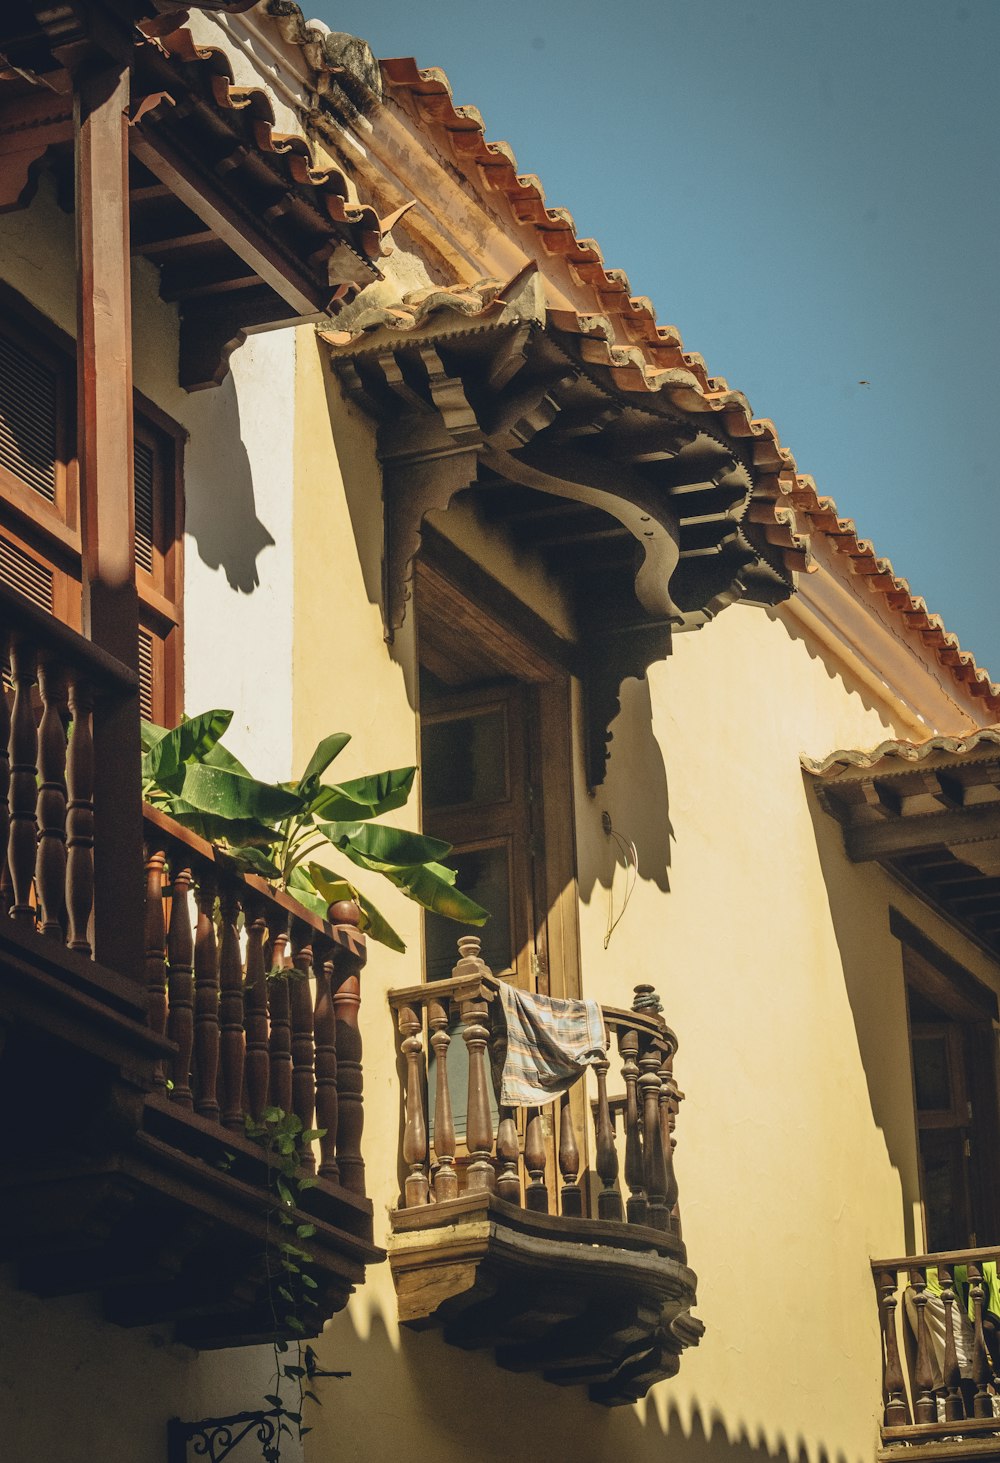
810 193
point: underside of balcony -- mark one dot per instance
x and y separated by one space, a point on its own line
581 1301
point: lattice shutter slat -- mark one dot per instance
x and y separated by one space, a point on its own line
144 492
146 675
28 416
25 574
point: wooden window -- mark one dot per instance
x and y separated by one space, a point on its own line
40 547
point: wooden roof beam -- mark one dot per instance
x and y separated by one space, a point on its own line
891 839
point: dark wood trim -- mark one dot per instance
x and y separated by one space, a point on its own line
508 617
921 831
971 999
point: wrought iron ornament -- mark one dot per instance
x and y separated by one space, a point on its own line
215 1438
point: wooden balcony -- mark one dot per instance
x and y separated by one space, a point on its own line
941 1356
128 1170
556 1275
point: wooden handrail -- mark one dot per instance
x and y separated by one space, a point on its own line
943 1257
22 619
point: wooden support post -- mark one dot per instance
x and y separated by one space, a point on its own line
415 1189
346 987
982 1406
897 1411
609 1200
446 1176
924 1405
954 1409
104 428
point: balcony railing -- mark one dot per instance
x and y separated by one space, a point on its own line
150 1189
494 1236
939 1347
258 997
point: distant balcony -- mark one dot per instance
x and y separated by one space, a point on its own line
129 1172
554 1272
939 1380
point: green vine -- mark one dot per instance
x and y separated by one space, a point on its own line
292 1289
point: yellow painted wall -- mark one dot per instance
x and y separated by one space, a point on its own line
773 956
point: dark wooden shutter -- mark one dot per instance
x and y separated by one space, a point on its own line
146 674
28 418
28 575
145 486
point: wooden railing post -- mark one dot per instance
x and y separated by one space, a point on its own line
325 1027
954 1409
652 1140
206 1001
80 817
415 1188
636 1207
924 1406
257 1069
350 1080
180 960
445 1176
897 1412
481 1175
4 749
668 1114
569 1162
231 1011
982 1405
303 1037
536 1194
23 784
609 1200
50 815
508 1152
156 949
279 1012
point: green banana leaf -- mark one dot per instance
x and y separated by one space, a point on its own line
392 847
249 860
430 884
329 748
189 743
230 795
364 797
216 829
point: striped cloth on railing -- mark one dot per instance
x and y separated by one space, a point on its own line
546 1046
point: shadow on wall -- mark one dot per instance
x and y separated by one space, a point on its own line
835 672
421 1398
353 436
221 510
873 976
635 797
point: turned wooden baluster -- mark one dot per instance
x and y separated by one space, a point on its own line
897 1411
280 1013
609 1200
415 1188
636 1207
508 1153
257 1069
303 1038
325 1028
655 1172
924 1405
481 1177
23 785
348 960
536 1194
445 1176
156 949
571 1194
4 755
231 1038
206 1001
954 1409
50 805
180 960
982 1405
80 817
668 1113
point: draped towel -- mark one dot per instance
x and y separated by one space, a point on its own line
549 1042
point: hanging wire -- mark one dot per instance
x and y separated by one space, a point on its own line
628 851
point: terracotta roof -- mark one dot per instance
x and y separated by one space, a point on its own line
985 740
640 349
